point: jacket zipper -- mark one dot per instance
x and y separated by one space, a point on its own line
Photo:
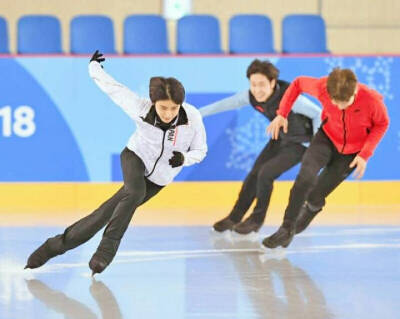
162 151
344 131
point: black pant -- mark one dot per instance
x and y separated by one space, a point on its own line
117 211
314 186
276 158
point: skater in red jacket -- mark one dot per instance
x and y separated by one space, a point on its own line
354 120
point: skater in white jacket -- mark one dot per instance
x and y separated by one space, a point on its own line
169 135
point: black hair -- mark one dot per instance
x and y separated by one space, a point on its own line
166 89
263 67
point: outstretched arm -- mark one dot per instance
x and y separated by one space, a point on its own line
129 101
230 103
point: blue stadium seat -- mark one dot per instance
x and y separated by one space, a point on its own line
3 36
250 33
145 34
92 32
38 34
303 33
198 34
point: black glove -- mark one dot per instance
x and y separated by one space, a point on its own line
98 57
176 160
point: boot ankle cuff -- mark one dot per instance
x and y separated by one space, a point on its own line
234 218
288 223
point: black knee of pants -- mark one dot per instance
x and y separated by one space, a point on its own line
130 203
85 228
264 191
136 195
315 201
246 196
123 213
265 179
304 182
298 194
330 178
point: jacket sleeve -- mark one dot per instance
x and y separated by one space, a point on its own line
230 103
302 84
307 108
380 121
198 147
129 101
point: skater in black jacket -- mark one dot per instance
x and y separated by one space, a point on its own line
278 156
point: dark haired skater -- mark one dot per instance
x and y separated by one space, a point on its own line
354 121
169 134
278 156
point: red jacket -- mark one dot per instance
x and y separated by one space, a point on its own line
357 129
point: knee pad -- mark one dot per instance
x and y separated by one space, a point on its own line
264 178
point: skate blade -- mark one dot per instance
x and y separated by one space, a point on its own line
278 253
252 236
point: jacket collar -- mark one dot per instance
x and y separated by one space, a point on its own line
274 99
152 118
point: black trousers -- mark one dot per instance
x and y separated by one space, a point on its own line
313 184
276 158
117 211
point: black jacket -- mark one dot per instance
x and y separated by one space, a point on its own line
300 128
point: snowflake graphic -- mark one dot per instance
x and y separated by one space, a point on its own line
247 141
376 75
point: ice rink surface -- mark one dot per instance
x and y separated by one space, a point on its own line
193 272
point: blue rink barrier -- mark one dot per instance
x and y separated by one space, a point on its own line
56 125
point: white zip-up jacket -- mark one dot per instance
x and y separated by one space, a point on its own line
153 145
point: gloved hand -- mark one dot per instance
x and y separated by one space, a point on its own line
176 160
98 57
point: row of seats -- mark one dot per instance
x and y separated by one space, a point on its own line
147 34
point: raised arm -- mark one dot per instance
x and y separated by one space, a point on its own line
129 101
